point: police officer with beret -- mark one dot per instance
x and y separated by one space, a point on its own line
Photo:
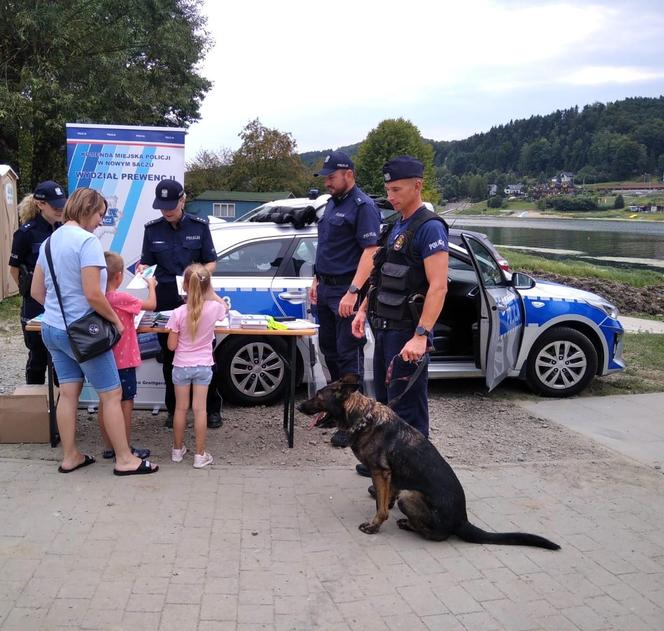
406 296
347 237
40 214
172 242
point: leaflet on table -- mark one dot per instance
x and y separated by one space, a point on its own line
299 324
138 282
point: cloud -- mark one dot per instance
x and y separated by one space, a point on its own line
600 75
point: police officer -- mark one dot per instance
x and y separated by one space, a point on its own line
172 242
406 296
347 237
40 214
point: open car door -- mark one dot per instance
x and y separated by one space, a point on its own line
501 318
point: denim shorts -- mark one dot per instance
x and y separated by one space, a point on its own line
128 383
194 375
101 371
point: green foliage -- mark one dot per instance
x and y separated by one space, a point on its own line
565 204
266 161
477 188
207 172
619 139
109 61
394 137
619 202
495 202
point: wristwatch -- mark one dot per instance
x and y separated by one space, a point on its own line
353 289
420 330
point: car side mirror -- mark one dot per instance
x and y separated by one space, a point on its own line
522 281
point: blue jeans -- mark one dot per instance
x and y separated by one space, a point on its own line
194 375
100 371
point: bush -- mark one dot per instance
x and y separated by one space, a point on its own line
567 204
495 202
541 204
619 202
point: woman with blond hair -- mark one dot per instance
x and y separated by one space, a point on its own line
79 267
39 213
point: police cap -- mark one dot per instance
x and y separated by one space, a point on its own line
50 192
402 168
167 195
334 161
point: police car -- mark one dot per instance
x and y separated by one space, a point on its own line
494 324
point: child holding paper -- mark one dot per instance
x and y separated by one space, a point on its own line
126 351
191 335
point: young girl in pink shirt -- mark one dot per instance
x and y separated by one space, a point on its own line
191 336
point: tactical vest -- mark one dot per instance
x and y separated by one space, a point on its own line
400 283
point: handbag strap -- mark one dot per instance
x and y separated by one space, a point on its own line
47 249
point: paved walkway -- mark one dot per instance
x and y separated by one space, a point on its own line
641 325
246 548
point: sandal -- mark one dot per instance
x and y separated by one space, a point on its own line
143 469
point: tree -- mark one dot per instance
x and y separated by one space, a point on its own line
477 188
207 171
109 61
392 138
266 161
619 202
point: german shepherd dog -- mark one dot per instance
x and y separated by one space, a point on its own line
405 467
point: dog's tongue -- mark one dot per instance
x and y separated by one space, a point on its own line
314 420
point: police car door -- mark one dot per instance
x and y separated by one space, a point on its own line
501 319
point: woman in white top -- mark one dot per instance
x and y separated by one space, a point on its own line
80 269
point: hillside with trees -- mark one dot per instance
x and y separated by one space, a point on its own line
600 142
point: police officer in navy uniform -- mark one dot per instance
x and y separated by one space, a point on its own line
40 214
172 242
347 237
406 296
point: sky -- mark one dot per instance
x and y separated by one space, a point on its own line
330 73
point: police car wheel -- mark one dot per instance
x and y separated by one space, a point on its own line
561 363
251 371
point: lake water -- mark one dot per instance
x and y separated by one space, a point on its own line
618 243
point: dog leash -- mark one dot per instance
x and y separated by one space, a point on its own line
411 380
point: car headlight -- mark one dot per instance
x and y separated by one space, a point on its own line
606 307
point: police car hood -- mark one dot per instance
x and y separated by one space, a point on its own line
548 289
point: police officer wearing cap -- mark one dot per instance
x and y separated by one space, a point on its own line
347 237
406 296
39 214
172 242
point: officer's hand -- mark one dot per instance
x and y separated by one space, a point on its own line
414 348
357 326
140 267
313 293
347 305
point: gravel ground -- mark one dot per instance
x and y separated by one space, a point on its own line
468 426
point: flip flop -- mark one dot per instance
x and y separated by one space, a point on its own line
88 460
143 469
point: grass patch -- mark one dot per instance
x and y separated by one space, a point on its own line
10 308
580 269
644 355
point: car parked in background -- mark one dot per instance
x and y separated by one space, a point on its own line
494 324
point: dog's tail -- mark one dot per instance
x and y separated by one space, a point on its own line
473 534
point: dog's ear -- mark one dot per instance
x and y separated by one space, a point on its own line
350 382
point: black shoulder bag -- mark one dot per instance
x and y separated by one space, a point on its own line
89 336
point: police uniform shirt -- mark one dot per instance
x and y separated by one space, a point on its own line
347 227
430 238
172 250
25 250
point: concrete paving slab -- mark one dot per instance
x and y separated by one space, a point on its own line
240 547
631 424
641 325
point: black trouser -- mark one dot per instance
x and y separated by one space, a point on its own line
213 403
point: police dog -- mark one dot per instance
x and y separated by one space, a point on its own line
405 467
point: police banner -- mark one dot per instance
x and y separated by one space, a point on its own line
125 163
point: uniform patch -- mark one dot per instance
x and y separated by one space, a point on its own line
399 242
